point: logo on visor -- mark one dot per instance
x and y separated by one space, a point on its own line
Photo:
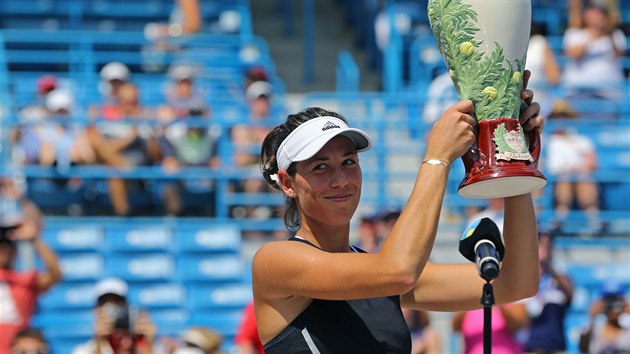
330 125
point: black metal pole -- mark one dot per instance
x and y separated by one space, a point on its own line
487 301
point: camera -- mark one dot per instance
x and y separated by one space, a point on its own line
120 315
10 213
613 303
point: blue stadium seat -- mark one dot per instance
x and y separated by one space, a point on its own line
74 237
142 267
210 268
208 238
170 322
157 295
589 275
65 329
139 238
82 266
68 296
227 297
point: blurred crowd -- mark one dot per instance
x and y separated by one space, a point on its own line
123 133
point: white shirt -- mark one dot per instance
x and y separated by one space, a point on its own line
566 152
599 65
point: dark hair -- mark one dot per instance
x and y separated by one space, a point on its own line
269 165
30 332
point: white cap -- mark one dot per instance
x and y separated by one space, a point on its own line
188 350
201 337
257 89
114 286
115 71
311 136
180 72
59 99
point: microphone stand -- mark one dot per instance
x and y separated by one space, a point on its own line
487 301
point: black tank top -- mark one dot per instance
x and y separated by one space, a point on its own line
374 325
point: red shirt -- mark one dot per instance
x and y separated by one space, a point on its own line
18 295
248 330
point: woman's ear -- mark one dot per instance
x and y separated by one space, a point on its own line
285 183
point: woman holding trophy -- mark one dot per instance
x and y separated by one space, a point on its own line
316 293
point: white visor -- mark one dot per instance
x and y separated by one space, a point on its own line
311 136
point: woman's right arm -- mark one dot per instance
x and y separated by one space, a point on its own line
282 269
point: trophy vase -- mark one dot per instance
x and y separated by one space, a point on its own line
484 44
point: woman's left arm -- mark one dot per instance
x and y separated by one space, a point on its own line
458 287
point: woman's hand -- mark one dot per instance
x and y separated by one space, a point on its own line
530 117
453 134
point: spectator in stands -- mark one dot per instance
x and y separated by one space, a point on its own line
369 240
20 229
182 145
571 159
58 140
542 62
118 329
246 139
547 310
122 137
258 95
185 21
609 335
594 52
424 338
36 111
507 320
253 74
200 340
113 75
247 340
189 139
315 290
575 7
183 97
30 341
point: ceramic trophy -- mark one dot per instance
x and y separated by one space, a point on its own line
484 44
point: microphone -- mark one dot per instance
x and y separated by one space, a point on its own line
482 244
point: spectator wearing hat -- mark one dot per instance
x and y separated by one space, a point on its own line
36 110
189 138
246 139
20 226
183 98
117 328
611 334
594 52
571 160
200 340
122 137
113 75
57 141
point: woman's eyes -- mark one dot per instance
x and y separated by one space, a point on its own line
322 166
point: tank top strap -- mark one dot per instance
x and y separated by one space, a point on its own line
353 248
299 239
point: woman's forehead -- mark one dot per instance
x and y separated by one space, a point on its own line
337 144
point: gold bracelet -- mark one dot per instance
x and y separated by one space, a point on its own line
436 162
